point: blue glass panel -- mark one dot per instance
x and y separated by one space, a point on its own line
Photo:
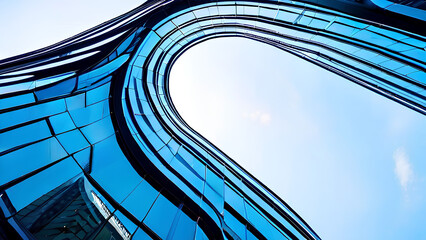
216 182
76 102
235 200
16 87
259 222
58 89
173 146
98 131
286 16
418 54
141 200
129 225
150 41
215 216
34 112
88 115
16 100
163 30
315 23
200 13
215 198
184 229
161 216
374 38
52 79
250 236
29 158
213 11
166 154
97 94
98 73
112 170
139 61
61 123
420 76
194 163
141 235
24 135
125 44
114 229
341 29
236 226
156 141
72 141
164 136
29 190
188 173
200 235
267 12
83 157
183 18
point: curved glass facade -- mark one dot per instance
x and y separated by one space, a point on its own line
91 145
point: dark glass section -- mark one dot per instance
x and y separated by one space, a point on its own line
421 4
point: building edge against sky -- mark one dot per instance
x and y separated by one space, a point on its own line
97 105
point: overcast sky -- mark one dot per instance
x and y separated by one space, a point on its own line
349 161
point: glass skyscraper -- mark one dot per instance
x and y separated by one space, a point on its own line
92 147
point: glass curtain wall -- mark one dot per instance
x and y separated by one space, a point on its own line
91 145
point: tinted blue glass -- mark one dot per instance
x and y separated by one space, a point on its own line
166 154
61 123
29 190
200 235
34 112
58 89
173 146
141 200
129 225
161 216
236 226
188 173
16 100
250 236
114 229
192 162
76 102
259 222
98 131
235 200
141 235
214 197
97 94
73 141
98 73
112 170
29 158
184 228
83 157
23 135
215 182
88 115
125 44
